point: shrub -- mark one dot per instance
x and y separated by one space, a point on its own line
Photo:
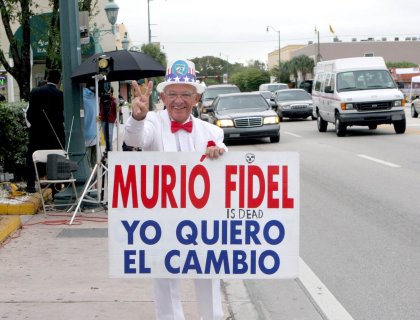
13 138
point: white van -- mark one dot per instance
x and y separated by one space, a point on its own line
356 91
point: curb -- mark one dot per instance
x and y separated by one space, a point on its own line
8 224
29 206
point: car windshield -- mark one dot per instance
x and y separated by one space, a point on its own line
212 93
293 95
254 102
364 80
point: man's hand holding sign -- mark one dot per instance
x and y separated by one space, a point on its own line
174 215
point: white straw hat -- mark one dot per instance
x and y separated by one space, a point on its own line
181 72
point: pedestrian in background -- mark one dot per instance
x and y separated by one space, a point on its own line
108 116
90 122
46 117
174 129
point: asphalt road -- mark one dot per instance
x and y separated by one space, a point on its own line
360 216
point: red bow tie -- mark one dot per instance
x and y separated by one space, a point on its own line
175 126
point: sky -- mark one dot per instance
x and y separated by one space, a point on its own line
236 30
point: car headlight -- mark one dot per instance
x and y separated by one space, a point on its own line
399 103
347 106
223 123
271 120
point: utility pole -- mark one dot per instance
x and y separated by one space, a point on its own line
70 59
148 21
318 55
278 31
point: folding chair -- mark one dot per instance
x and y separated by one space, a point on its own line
41 156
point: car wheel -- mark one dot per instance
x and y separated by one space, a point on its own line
340 128
373 126
275 139
322 124
399 126
414 113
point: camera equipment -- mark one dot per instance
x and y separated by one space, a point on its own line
59 167
105 65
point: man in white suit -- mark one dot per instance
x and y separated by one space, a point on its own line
175 129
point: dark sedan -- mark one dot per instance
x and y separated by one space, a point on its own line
245 115
294 103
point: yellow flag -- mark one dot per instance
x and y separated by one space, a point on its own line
332 30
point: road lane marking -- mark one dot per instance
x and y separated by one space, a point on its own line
326 302
386 163
292 134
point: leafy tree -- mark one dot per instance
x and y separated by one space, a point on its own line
154 51
17 11
256 64
304 65
249 79
21 11
209 67
13 138
300 64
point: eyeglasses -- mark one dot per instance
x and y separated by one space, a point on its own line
183 96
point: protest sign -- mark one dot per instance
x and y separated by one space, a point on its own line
172 216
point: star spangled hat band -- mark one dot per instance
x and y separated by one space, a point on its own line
181 72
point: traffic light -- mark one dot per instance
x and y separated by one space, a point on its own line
105 65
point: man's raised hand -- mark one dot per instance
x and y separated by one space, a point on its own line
140 104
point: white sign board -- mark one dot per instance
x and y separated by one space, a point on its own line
173 216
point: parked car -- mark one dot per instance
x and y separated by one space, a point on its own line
273 86
268 95
415 108
245 115
294 103
210 94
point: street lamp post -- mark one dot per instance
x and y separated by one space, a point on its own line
278 31
111 10
125 43
148 22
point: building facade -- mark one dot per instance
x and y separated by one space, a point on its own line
285 55
391 51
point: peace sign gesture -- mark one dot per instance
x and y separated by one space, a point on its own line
140 104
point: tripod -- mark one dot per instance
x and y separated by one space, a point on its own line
98 177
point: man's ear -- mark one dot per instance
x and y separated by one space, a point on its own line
197 97
162 97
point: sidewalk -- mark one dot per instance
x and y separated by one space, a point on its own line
52 270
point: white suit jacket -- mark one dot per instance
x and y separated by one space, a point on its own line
154 133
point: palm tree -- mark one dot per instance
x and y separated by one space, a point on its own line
304 64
